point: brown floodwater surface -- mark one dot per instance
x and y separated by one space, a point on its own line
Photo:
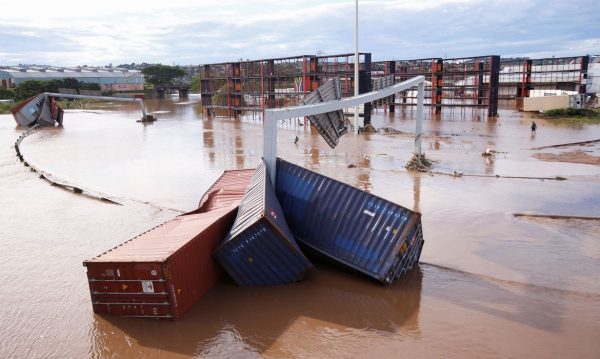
491 285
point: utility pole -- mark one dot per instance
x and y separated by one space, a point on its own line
356 64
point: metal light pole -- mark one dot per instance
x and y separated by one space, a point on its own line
356 64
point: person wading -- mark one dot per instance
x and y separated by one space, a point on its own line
533 127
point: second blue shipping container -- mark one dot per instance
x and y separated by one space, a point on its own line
355 228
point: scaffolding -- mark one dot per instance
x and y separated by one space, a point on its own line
526 77
478 82
233 88
459 82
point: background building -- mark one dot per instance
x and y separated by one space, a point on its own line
109 79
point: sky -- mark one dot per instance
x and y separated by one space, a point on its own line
186 32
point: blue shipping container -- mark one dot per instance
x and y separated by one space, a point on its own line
362 231
260 248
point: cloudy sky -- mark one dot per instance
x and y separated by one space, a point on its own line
184 32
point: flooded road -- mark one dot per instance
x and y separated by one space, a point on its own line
493 285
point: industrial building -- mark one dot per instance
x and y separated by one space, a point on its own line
109 79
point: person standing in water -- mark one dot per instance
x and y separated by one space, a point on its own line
533 127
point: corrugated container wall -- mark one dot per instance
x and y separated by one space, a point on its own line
162 272
362 231
331 124
260 248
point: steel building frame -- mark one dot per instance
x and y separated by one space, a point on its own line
477 82
519 76
458 82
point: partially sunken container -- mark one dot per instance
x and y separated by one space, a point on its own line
349 226
162 272
260 248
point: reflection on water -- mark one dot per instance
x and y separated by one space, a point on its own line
233 320
533 284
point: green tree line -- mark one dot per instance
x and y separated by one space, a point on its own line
29 88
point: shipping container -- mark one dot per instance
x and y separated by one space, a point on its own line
260 248
161 273
330 125
352 227
227 191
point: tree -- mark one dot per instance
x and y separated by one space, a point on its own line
89 86
7 94
70 83
29 88
162 75
195 84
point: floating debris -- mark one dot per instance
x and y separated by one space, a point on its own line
419 163
390 131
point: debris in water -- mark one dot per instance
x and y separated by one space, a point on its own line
368 129
390 131
419 162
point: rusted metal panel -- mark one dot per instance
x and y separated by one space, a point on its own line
260 248
357 229
162 272
331 124
227 190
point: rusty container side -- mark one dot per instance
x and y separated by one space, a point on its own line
260 248
352 227
226 192
162 272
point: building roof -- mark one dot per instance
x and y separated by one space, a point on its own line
28 73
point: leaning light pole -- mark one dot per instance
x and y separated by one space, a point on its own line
356 65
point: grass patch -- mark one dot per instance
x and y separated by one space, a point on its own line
4 108
573 115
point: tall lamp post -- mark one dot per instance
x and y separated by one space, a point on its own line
356 64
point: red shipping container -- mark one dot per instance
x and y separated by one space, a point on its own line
162 272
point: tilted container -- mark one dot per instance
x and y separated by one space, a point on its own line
161 273
352 227
260 249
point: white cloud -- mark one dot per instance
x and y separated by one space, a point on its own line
182 31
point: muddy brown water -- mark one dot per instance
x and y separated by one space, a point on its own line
492 286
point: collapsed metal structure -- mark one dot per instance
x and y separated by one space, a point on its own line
478 82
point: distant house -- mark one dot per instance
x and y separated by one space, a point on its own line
115 79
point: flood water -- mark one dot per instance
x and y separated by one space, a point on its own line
489 285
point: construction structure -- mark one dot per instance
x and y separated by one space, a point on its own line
232 88
459 82
524 77
478 82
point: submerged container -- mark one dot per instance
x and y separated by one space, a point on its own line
260 248
352 227
161 273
